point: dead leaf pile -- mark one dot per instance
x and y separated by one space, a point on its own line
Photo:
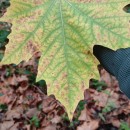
24 104
104 107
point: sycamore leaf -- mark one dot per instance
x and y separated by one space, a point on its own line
65 32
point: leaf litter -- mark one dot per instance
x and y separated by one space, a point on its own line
25 105
28 106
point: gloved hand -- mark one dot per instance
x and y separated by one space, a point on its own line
117 63
127 8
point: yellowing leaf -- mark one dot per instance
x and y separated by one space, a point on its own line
65 32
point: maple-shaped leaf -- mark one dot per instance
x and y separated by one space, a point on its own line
65 32
5 28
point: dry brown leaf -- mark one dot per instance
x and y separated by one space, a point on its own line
15 113
31 112
6 125
89 125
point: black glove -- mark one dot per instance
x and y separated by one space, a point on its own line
117 63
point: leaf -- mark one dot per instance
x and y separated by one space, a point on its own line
35 121
65 32
124 126
3 107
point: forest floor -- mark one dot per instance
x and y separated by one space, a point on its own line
25 105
